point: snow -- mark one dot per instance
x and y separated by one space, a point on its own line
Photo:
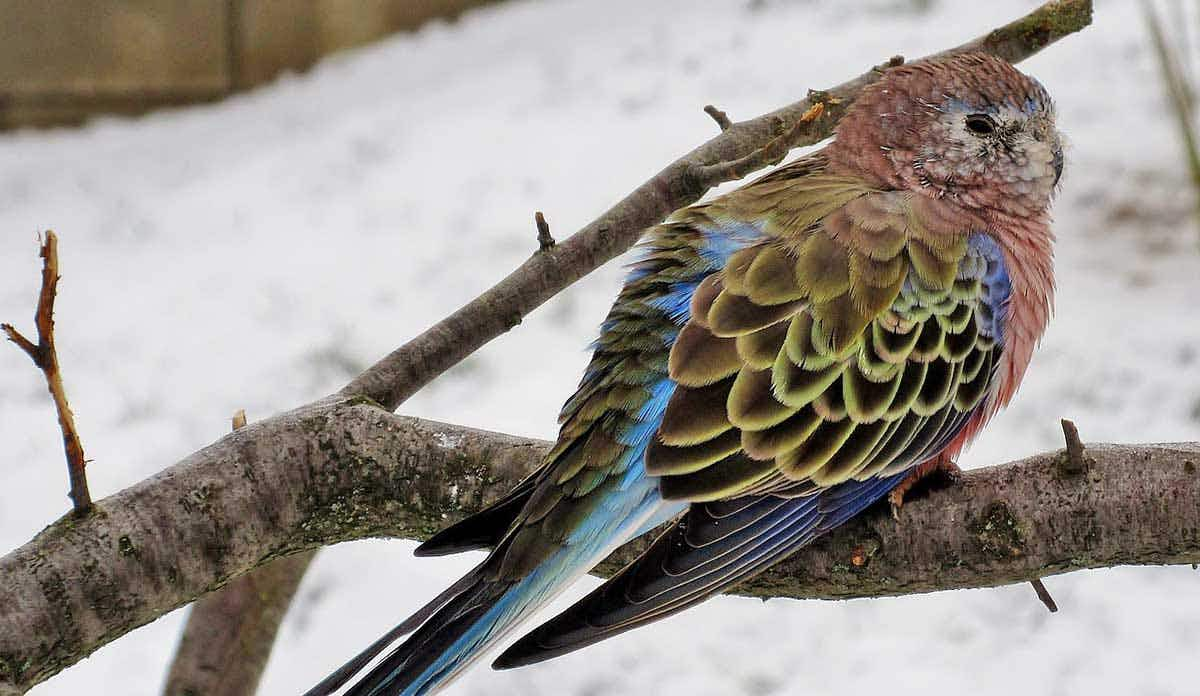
258 252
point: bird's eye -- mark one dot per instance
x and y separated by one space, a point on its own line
980 124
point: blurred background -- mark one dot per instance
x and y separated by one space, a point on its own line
300 208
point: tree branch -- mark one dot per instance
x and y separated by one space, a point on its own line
229 633
338 471
45 357
735 152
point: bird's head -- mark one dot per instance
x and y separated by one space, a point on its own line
970 127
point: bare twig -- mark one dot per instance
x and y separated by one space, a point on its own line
1043 594
23 343
229 633
545 241
1074 460
719 116
349 470
733 153
45 357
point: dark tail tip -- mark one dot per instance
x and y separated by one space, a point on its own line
518 655
440 545
534 647
483 530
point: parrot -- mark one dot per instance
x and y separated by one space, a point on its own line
780 358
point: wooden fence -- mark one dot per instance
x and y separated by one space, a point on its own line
64 60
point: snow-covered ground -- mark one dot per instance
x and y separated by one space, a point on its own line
256 253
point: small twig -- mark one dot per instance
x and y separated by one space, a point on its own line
45 357
1076 461
23 343
719 116
1044 595
545 241
772 152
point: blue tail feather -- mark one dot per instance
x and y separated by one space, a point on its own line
483 610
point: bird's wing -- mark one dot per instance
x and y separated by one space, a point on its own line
816 358
814 370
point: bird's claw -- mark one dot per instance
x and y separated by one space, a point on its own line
946 470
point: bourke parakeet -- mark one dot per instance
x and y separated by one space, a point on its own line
780 358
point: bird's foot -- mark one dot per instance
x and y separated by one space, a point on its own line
939 472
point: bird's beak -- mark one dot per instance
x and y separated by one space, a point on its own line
1048 134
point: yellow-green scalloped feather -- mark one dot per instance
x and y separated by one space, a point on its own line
699 358
772 278
760 348
696 415
823 268
827 350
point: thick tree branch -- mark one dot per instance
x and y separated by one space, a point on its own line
230 632
45 357
737 151
338 471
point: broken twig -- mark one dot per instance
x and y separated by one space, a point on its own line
1043 594
545 241
719 116
1076 461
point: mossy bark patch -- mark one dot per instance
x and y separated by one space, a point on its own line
998 532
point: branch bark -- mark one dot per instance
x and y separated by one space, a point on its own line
737 151
343 470
230 633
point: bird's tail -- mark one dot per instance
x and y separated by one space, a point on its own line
462 623
455 636
448 634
